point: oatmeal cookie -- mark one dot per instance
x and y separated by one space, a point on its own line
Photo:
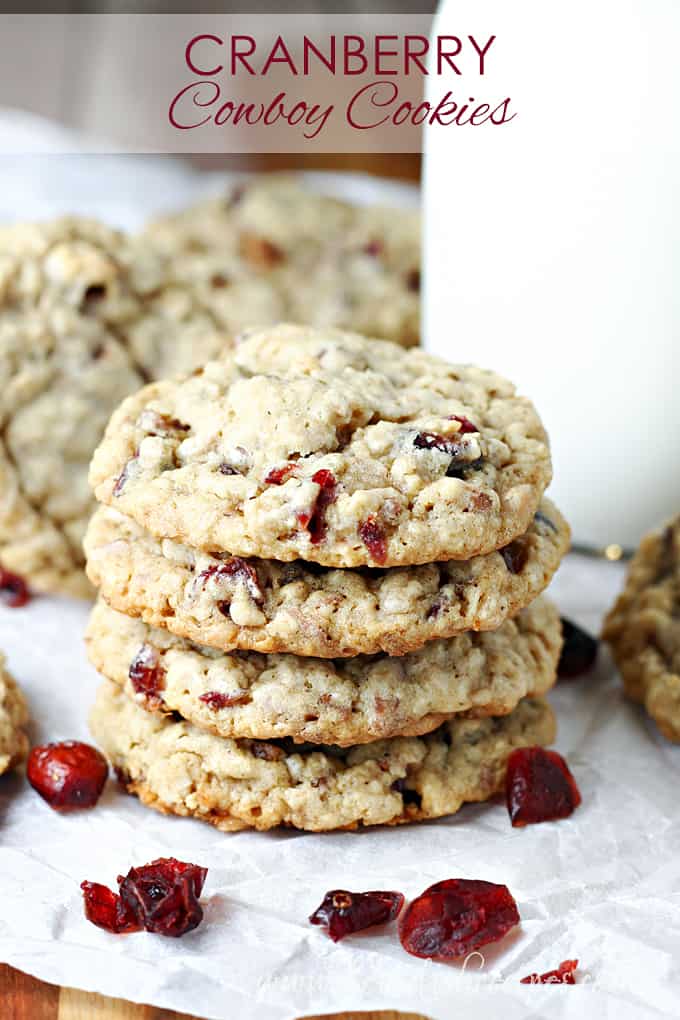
343 701
328 447
235 784
643 628
13 720
228 602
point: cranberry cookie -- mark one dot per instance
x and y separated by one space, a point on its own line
227 602
328 447
235 784
13 719
643 628
85 315
343 701
309 258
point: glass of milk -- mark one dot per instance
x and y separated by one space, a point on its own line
552 247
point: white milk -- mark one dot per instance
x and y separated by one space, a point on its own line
552 242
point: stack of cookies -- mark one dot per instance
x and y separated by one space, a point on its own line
319 562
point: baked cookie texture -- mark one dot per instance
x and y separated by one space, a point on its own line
324 446
13 720
308 258
227 602
177 768
342 701
643 628
82 310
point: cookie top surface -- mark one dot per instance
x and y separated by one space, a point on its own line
180 769
643 628
87 315
63 369
13 719
298 607
346 701
309 258
324 446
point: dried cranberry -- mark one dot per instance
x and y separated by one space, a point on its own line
465 424
372 535
345 912
239 570
539 787
373 248
69 775
315 521
413 280
216 700
516 555
579 651
147 674
564 975
266 751
14 591
455 917
107 910
279 475
163 896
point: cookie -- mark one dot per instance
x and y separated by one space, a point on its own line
262 605
13 719
179 769
328 447
343 701
86 317
319 260
643 628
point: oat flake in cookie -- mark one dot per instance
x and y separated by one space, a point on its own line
328 447
343 701
234 784
228 602
13 720
643 628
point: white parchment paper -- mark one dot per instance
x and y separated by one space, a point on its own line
603 886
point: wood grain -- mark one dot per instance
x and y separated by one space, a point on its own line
24 998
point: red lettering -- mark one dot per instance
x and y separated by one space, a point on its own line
239 57
354 52
482 53
189 57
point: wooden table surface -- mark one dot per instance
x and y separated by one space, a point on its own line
23 997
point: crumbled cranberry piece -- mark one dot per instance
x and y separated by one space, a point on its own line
238 570
374 247
413 280
219 280
161 897
563 975
260 252
343 913
372 534
217 700
279 475
515 555
107 910
14 591
147 674
315 520
455 917
579 651
466 425
539 787
69 775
